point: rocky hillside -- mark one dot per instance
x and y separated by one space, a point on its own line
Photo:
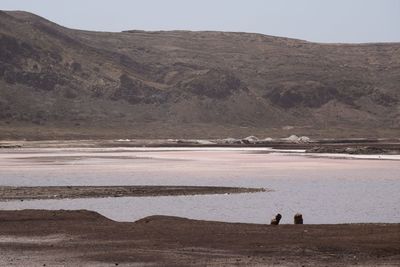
61 83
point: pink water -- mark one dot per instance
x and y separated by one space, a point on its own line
325 190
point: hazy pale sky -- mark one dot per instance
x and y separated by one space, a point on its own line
313 20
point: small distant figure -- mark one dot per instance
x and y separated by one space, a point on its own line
298 218
276 220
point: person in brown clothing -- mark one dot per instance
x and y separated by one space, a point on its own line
298 218
276 220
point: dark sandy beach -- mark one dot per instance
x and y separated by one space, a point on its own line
60 192
48 238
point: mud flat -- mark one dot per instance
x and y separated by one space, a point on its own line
351 146
47 238
60 192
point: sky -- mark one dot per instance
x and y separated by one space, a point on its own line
327 21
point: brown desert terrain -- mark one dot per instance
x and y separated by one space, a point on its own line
55 238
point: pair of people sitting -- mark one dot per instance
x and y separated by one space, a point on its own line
298 219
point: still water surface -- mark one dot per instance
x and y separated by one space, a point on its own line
324 189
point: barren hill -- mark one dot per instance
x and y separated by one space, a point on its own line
62 83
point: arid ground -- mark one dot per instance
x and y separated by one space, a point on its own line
60 192
51 238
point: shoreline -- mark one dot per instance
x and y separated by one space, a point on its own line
360 146
85 237
9 193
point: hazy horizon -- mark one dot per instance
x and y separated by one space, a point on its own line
341 21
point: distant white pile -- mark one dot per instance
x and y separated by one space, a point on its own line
255 140
297 140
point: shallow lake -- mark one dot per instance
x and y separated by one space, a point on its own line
325 189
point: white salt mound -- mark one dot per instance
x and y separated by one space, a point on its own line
229 140
296 139
251 139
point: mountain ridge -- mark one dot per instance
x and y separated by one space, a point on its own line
55 79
